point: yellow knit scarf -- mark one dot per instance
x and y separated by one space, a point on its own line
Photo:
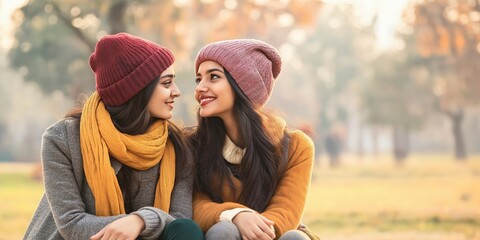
99 139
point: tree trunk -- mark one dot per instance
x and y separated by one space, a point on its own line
5 151
67 20
361 147
400 143
459 143
116 17
333 148
375 147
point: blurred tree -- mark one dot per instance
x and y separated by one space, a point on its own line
53 42
24 114
270 20
213 20
5 151
397 96
334 63
447 36
55 38
5 104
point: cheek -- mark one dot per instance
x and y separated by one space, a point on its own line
158 97
162 94
231 96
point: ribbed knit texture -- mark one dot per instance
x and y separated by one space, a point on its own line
252 63
285 208
99 139
231 152
124 64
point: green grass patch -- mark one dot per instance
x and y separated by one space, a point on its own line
391 222
19 196
428 197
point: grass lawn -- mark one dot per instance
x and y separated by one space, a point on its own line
19 196
430 197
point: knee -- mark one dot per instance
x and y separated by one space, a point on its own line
223 230
183 229
294 235
183 225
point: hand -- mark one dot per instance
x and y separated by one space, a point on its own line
254 226
269 222
127 228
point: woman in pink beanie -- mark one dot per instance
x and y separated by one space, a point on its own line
252 173
117 168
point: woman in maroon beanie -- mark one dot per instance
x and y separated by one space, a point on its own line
252 174
117 168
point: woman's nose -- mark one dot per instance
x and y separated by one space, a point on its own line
200 87
176 91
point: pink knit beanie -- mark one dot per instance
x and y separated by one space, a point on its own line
252 63
125 64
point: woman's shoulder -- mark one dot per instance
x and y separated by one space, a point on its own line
299 139
62 137
300 147
62 128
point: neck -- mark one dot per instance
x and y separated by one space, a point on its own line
231 127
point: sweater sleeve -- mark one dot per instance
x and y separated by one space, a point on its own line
155 222
207 212
288 202
62 191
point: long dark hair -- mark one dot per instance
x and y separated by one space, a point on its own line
134 118
261 166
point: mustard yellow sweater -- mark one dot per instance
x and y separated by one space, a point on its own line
288 202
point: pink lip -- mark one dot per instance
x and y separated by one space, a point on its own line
204 100
203 103
170 104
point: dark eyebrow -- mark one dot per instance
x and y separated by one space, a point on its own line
212 70
168 76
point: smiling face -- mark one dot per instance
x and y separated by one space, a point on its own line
161 102
213 91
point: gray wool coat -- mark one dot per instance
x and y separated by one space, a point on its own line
67 209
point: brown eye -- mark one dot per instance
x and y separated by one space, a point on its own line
167 83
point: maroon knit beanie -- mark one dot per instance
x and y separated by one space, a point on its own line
252 63
125 64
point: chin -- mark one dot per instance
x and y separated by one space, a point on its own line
204 114
165 116
168 116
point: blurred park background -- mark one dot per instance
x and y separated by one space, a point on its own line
388 90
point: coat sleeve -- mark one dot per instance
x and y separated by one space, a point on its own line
207 212
288 202
67 204
155 222
62 190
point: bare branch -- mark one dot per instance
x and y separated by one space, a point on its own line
68 22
